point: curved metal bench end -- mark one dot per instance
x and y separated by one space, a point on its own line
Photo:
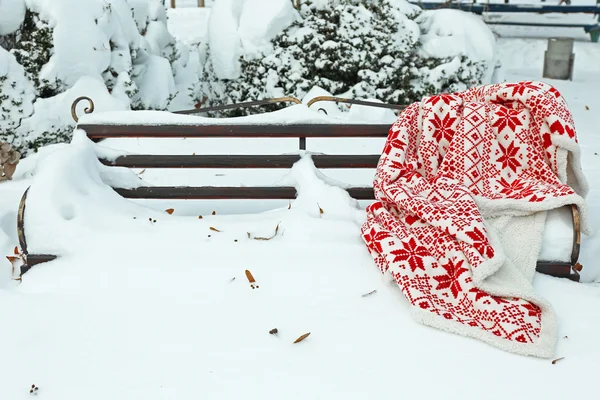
87 110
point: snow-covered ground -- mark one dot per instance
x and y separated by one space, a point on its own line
163 310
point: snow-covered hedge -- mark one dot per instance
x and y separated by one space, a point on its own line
118 52
16 94
381 49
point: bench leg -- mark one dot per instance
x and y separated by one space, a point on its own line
30 259
595 35
558 270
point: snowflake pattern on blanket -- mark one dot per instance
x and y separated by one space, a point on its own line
495 142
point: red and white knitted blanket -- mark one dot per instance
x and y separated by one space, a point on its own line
452 167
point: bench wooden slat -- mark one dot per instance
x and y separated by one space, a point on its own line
511 8
542 24
237 131
241 161
225 192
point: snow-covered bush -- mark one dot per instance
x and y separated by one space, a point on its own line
117 52
33 50
16 96
364 49
466 40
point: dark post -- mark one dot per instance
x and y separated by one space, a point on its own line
302 143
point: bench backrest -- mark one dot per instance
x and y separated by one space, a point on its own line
300 131
480 8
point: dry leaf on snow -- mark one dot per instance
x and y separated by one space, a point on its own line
250 276
251 279
301 338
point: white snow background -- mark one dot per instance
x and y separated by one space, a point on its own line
151 310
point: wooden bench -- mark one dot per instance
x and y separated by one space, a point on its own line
98 132
592 28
